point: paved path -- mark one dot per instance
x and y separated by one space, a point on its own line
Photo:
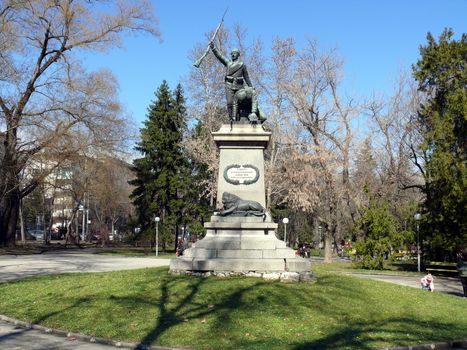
449 285
18 338
21 266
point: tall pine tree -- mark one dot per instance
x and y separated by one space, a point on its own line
441 73
161 172
192 204
197 204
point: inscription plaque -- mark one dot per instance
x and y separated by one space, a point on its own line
236 174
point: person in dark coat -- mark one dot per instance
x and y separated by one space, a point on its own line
462 268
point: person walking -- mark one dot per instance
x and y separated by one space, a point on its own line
462 268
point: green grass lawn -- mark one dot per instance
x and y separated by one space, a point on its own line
151 307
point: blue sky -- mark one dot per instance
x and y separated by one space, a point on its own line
376 39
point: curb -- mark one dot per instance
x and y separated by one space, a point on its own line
83 337
136 346
457 344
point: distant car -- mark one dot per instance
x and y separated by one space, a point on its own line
27 234
96 237
57 233
39 234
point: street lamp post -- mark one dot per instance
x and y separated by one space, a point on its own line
81 208
88 223
157 219
285 221
417 218
183 241
320 233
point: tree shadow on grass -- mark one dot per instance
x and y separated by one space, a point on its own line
172 314
376 331
76 305
170 317
178 305
371 335
175 311
231 312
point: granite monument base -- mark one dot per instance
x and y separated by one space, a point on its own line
239 244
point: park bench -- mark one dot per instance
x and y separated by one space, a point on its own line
443 269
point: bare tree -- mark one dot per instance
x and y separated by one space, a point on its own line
48 103
109 194
396 143
272 81
324 150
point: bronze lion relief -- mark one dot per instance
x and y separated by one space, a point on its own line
234 205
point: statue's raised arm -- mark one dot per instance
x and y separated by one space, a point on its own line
219 55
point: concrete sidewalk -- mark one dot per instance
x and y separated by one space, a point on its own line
20 335
51 263
448 285
15 337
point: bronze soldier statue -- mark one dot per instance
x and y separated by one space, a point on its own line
236 76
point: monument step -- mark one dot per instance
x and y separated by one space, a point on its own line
240 265
239 242
283 253
238 224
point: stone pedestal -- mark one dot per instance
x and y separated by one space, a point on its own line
240 244
241 161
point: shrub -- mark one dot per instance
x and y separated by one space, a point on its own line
378 232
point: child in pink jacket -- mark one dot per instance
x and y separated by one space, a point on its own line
427 283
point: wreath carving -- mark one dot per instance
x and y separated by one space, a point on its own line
237 181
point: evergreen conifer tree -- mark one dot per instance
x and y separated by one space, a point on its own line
161 172
442 75
196 201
